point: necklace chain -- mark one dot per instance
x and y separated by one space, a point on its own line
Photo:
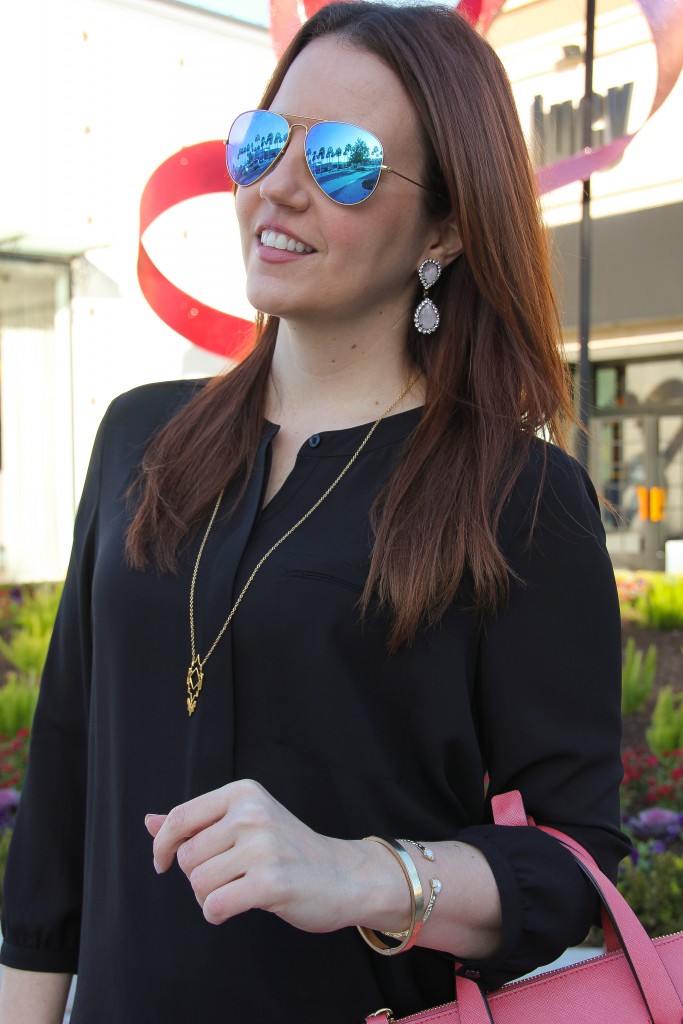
195 673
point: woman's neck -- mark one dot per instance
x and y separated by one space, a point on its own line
329 380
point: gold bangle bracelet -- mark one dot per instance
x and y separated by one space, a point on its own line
372 938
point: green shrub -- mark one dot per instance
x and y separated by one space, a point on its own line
661 606
666 731
637 676
654 889
17 705
27 647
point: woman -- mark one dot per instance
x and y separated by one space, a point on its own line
435 602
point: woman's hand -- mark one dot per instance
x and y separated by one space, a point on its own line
242 849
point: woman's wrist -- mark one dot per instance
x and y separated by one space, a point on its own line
379 898
406 938
33 997
465 920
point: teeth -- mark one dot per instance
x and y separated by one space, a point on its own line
281 241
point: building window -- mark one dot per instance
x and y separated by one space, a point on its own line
657 383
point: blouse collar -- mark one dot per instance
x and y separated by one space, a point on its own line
334 443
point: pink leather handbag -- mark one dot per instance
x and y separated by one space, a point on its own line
638 981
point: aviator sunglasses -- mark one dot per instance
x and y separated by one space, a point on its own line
345 160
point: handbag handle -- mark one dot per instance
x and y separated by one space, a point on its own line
658 992
508 809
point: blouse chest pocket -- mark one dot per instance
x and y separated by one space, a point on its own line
333 690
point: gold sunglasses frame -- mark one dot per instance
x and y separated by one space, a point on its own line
297 121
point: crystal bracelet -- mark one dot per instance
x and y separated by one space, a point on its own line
435 886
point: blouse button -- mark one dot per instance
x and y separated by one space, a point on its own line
314 441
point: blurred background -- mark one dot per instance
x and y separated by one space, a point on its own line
96 94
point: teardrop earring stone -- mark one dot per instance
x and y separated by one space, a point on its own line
426 317
429 273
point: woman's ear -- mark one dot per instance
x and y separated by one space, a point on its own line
446 243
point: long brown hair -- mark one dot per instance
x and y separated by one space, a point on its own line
494 375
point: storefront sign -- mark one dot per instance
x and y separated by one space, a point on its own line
558 132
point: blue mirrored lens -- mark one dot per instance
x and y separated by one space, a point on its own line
344 160
255 141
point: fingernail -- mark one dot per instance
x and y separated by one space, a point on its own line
156 867
147 817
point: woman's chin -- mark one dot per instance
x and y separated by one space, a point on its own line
269 303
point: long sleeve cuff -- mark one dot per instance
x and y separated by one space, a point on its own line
547 902
33 958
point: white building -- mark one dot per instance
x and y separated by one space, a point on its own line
96 94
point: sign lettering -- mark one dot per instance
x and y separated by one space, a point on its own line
558 133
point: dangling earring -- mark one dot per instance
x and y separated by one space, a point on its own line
426 317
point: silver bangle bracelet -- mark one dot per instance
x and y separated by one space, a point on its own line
436 887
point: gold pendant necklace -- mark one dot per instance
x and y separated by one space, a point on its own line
195 673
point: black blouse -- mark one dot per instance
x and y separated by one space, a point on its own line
301 697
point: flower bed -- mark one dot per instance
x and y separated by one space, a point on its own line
651 880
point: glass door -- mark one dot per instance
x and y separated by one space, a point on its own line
624 468
637 465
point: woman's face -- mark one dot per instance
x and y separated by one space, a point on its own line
364 258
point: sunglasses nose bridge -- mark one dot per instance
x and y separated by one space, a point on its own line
282 159
291 125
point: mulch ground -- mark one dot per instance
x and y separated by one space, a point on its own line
669 673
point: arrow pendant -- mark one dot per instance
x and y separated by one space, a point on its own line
195 679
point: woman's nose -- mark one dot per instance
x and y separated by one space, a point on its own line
288 182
